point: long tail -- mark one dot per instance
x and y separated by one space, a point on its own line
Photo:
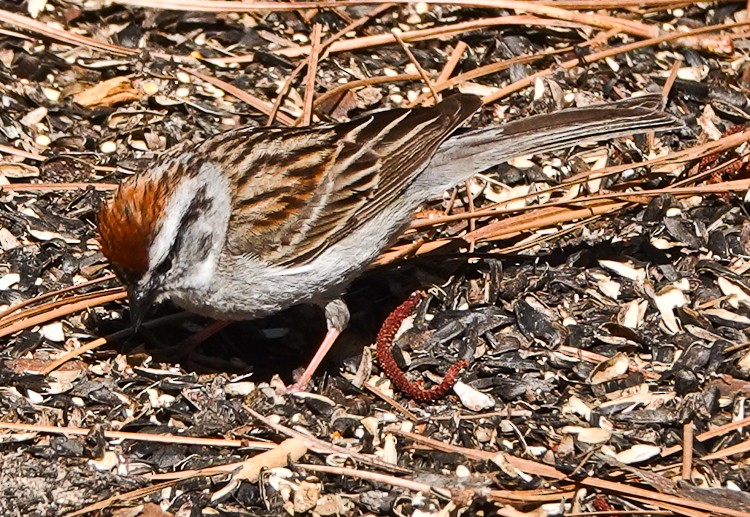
465 155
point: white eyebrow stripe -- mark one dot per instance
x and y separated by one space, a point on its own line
217 187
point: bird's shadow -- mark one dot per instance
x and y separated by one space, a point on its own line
286 341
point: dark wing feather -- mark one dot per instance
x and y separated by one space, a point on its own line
294 205
404 149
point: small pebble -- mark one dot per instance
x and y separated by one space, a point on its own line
150 88
51 94
34 397
159 400
54 332
522 162
411 68
139 145
390 453
693 73
55 388
473 399
183 77
106 463
278 476
34 117
239 388
8 241
554 509
536 451
637 453
673 212
164 100
108 147
550 171
613 64
610 288
371 424
485 434
539 88
590 435
9 280
34 7
42 140
213 91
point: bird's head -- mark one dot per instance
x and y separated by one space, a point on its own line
163 232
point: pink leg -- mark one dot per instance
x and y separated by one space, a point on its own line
186 346
323 349
337 318
199 337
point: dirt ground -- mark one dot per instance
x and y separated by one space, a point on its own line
599 295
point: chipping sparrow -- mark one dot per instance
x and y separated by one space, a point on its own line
255 220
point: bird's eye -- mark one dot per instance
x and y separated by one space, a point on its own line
165 266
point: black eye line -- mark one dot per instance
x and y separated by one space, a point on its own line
198 204
165 264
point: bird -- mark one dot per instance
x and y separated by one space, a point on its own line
254 220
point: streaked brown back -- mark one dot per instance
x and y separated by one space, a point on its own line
292 206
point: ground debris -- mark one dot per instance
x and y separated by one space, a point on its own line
603 359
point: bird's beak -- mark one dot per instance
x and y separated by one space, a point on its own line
141 297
